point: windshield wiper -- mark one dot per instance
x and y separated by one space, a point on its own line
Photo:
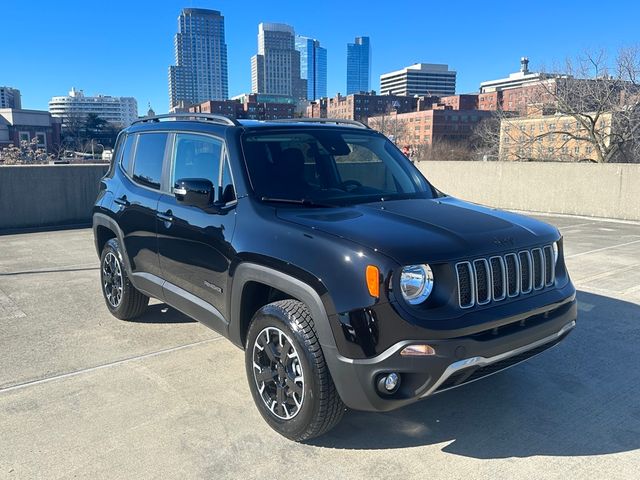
295 201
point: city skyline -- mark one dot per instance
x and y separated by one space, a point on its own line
200 72
135 64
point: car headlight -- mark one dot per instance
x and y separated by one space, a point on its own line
416 283
555 252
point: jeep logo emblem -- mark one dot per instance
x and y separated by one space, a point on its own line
503 242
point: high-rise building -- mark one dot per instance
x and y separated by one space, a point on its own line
120 111
200 72
10 98
359 66
275 69
419 79
313 66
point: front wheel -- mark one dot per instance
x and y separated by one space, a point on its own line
287 373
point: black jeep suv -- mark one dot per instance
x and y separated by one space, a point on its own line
322 251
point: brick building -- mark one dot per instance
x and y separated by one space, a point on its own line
17 125
539 138
250 106
360 106
427 127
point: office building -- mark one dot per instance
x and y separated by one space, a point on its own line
275 69
313 66
10 98
360 106
419 79
119 111
359 66
200 72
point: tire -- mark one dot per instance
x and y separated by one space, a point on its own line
122 298
296 398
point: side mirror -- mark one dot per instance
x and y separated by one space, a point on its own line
197 192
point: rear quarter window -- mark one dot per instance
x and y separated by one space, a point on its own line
149 157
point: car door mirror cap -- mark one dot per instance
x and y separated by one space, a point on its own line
197 192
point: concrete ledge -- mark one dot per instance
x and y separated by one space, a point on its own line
594 190
37 196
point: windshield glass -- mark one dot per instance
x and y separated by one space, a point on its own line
330 166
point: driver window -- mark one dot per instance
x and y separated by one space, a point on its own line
196 156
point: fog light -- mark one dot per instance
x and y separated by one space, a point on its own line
391 382
417 351
388 383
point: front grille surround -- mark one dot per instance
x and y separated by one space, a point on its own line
496 278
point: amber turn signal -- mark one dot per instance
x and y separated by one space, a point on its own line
373 281
417 351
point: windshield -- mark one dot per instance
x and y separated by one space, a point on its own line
323 166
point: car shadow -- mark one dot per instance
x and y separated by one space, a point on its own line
162 313
579 398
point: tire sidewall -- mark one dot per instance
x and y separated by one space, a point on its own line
112 246
274 316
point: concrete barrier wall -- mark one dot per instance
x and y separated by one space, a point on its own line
53 195
47 195
611 190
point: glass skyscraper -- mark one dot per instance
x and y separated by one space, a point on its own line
200 72
313 66
359 66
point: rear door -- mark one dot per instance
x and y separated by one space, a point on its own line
137 200
195 243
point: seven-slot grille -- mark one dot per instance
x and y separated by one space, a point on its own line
495 278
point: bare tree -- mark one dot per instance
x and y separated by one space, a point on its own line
389 125
589 110
27 153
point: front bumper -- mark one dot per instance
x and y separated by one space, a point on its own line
457 361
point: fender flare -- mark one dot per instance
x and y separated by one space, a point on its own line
102 220
253 272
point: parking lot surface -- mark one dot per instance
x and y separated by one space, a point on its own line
84 395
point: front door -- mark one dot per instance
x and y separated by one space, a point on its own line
194 243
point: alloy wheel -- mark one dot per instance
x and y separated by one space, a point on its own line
278 373
112 281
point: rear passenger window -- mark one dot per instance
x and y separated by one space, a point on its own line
147 167
196 156
127 153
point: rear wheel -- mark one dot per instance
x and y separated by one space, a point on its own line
121 297
288 376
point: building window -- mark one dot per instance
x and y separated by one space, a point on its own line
24 137
42 139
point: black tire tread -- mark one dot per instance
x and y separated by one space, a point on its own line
134 303
331 408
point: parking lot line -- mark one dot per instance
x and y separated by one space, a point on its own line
601 249
106 365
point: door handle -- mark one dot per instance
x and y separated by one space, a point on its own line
166 216
122 201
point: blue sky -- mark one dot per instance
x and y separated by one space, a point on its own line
119 47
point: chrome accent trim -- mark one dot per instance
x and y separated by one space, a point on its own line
538 251
516 262
548 250
472 286
488 281
484 361
503 272
528 255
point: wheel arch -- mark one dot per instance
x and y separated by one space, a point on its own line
104 229
249 278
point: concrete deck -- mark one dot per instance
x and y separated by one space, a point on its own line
84 395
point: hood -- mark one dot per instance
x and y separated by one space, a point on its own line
427 230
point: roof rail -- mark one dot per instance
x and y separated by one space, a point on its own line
337 121
203 117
